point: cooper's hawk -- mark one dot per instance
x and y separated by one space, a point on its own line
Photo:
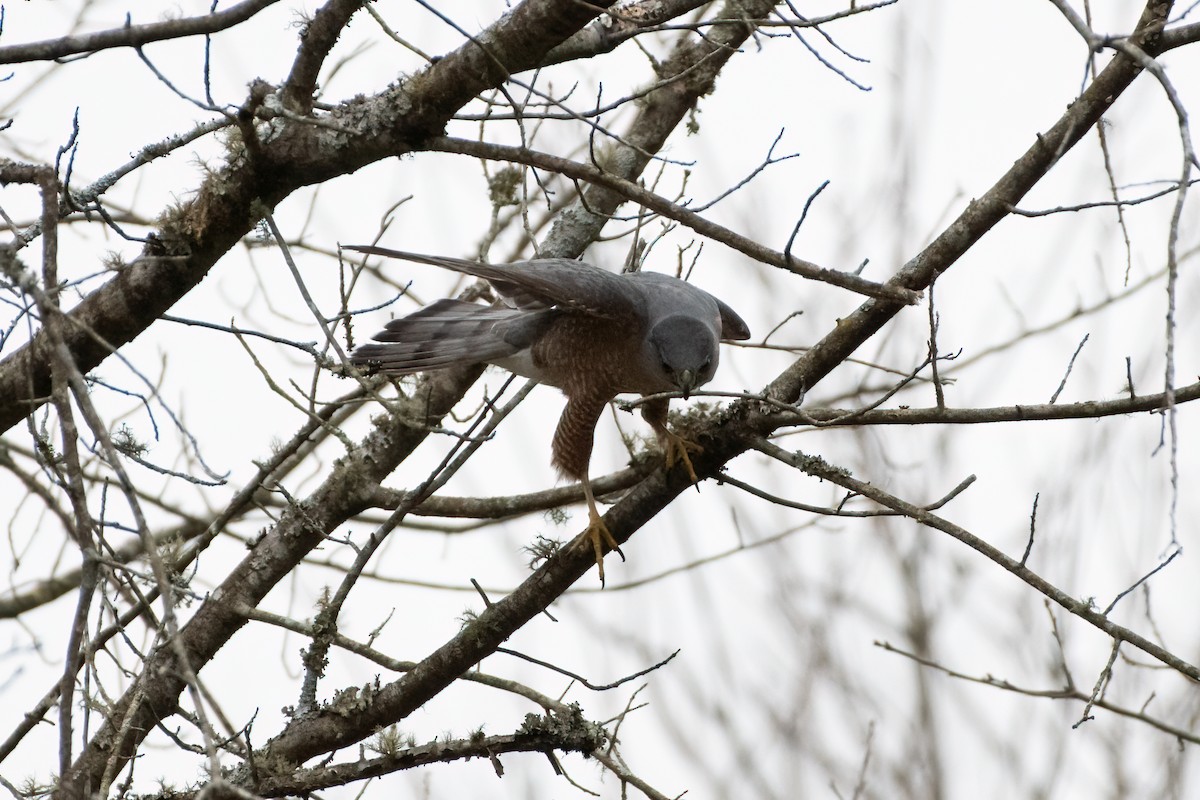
591 333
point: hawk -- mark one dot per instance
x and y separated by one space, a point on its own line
591 333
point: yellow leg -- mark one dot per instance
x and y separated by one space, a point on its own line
676 449
597 532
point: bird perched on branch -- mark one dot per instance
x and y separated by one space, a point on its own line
591 333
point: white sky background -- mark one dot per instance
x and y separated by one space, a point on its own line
778 678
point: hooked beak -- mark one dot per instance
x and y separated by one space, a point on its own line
685 379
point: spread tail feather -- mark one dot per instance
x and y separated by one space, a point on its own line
444 334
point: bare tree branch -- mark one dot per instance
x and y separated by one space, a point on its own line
1084 610
632 191
133 35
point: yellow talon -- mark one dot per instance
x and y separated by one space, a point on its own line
676 448
597 532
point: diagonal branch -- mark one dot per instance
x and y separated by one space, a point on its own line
1085 610
658 203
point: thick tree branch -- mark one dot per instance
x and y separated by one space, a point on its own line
568 732
319 37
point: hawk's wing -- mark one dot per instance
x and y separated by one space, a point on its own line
665 295
542 283
733 327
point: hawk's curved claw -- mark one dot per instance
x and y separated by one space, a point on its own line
597 532
599 535
676 449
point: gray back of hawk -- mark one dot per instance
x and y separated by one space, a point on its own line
591 333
